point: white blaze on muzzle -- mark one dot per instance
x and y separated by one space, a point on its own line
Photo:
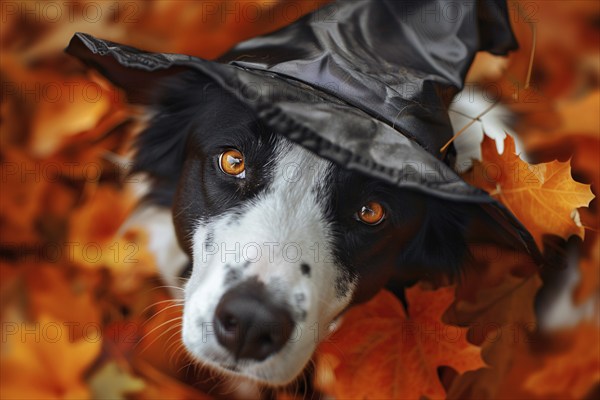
262 293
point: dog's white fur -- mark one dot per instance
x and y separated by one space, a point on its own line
273 234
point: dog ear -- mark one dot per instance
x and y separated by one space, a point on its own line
440 246
160 148
440 250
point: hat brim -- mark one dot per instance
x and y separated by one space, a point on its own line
309 117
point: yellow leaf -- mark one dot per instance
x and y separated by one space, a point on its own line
111 382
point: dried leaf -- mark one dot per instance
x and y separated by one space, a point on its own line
573 372
544 197
379 352
40 361
112 382
161 386
502 318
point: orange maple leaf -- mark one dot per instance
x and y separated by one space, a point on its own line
380 352
544 197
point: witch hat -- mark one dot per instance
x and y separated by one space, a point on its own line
365 84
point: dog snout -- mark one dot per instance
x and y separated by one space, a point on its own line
251 325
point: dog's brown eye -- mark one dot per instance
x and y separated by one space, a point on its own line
371 213
231 162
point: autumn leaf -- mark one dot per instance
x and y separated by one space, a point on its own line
97 241
380 352
21 198
161 386
63 106
51 287
101 216
490 266
544 197
581 116
501 318
40 361
578 119
112 382
573 372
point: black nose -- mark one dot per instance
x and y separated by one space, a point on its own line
249 324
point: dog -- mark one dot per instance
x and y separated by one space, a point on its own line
279 242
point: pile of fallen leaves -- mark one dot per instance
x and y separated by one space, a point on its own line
85 315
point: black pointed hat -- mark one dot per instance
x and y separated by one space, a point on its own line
364 83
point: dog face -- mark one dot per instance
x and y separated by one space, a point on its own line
281 241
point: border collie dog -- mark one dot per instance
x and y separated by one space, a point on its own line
280 241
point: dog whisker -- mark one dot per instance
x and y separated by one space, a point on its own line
171 321
149 345
147 321
177 301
